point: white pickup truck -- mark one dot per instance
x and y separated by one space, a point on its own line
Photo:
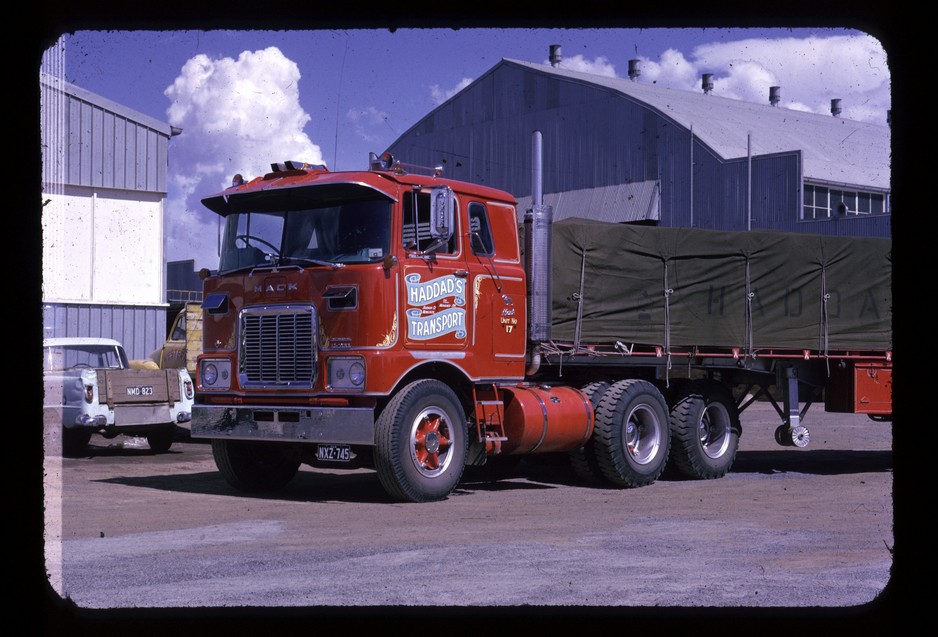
96 389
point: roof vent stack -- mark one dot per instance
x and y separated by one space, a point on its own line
775 94
634 69
835 107
707 83
555 55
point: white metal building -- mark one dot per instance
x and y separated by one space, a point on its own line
104 172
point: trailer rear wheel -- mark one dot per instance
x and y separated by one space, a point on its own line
704 430
253 466
583 459
421 442
632 435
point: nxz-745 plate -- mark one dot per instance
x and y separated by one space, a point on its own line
332 453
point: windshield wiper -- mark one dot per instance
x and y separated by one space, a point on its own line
331 264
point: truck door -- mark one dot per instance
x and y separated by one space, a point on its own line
436 293
495 274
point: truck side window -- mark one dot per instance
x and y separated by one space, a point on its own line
416 234
480 233
179 329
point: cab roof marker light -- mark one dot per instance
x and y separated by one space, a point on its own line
279 167
387 162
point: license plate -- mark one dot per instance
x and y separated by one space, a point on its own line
141 390
333 453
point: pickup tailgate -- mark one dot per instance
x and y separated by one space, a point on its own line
141 396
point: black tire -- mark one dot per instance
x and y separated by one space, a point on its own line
75 441
704 430
160 441
583 459
253 467
421 442
632 434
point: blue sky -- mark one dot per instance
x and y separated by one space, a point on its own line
245 99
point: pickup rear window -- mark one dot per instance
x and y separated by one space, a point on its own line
63 357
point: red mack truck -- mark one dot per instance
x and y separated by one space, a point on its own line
408 323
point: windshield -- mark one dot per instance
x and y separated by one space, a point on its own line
334 234
62 357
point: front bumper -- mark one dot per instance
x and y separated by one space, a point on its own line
339 425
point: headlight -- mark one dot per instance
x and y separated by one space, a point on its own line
215 374
209 373
356 374
346 372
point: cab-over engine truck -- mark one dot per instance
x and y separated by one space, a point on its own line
392 320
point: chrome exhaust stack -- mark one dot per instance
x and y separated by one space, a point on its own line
537 238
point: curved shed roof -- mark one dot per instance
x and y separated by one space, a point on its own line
834 150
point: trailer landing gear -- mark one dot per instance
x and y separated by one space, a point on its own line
788 436
791 433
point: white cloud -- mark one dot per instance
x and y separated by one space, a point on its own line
672 69
236 116
599 66
809 71
441 95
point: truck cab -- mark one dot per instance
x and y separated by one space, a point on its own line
337 289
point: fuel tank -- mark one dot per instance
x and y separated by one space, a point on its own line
540 419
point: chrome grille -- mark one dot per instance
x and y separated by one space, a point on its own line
278 345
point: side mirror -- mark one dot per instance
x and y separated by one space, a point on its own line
442 207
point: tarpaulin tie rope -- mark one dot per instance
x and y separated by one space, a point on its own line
749 297
667 323
579 304
825 326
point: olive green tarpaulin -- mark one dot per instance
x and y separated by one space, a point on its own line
684 287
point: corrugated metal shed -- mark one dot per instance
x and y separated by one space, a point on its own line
834 150
624 150
89 140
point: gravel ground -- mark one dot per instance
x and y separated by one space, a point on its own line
807 530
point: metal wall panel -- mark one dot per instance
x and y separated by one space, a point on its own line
104 144
141 330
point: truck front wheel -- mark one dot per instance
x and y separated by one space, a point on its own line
632 436
252 466
705 430
421 442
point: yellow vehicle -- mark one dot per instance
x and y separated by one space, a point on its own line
184 342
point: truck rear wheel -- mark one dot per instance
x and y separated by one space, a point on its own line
583 459
632 434
705 430
253 466
421 442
